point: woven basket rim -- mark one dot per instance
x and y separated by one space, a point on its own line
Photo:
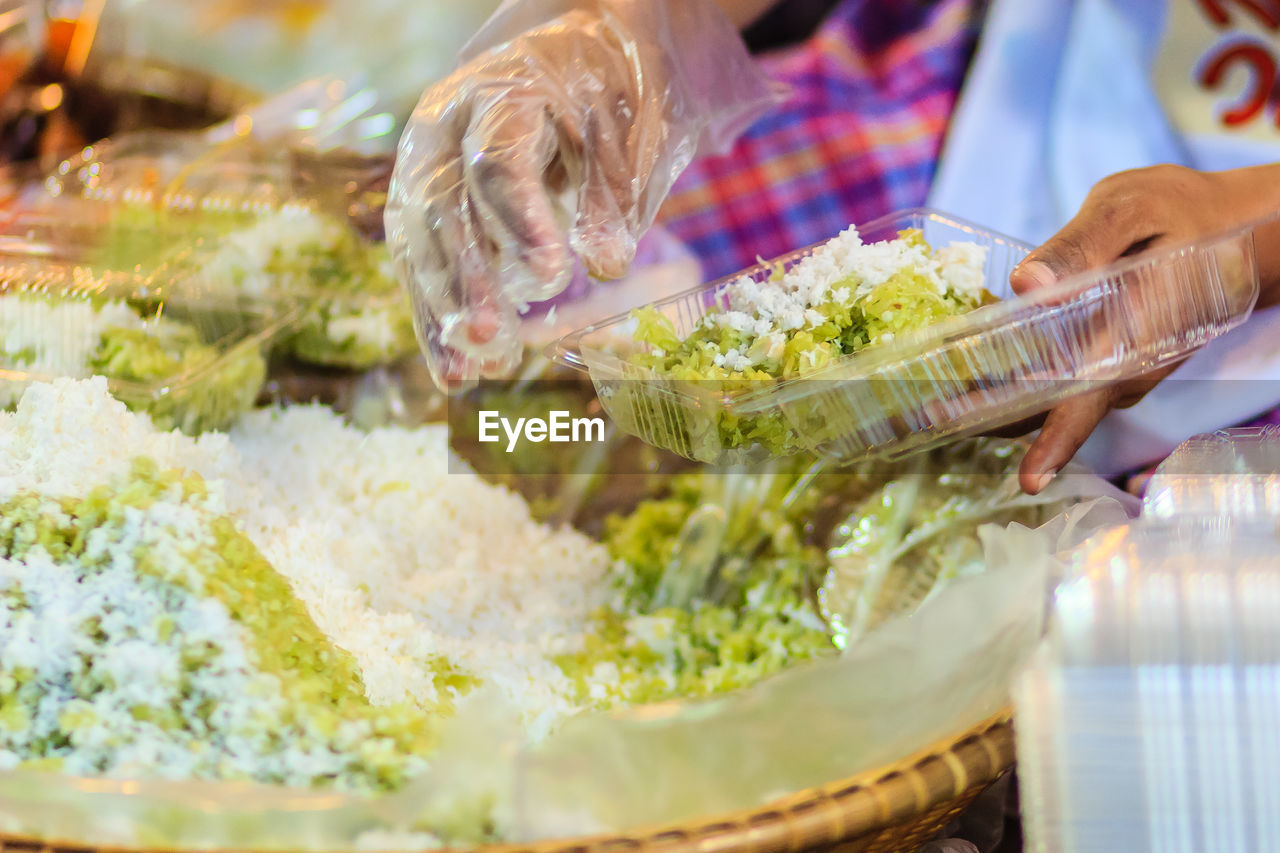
975 756
842 810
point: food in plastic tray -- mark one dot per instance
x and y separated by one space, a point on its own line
354 314
192 364
908 391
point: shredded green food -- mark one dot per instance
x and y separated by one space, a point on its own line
355 315
193 659
210 389
156 362
687 625
735 354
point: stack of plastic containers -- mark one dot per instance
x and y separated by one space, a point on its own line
1150 718
1234 472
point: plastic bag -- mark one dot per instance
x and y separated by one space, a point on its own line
915 680
900 543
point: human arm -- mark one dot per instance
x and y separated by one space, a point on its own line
1128 212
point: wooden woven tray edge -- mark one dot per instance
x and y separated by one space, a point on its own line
843 811
920 786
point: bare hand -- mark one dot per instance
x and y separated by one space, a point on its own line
1122 215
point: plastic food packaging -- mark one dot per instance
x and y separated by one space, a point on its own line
1232 472
325 137
1148 720
190 361
989 368
278 257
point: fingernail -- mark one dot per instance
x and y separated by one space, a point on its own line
483 327
1045 479
1037 271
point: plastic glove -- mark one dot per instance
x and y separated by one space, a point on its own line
560 135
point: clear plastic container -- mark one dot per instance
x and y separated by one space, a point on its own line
1149 720
189 361
352 311
1232 472
986 369
325 138
191 173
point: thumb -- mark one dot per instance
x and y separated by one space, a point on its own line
1098 234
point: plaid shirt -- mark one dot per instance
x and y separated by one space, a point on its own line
859 137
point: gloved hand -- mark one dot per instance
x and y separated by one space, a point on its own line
559 136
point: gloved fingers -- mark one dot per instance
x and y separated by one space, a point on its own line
605 228
451 369
629 160
465 327
476 315
602 177
508 152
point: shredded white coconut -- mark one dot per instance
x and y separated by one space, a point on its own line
961 266
401 555
763 307
243 257
373 327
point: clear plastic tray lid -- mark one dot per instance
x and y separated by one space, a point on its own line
215 219
325 139
1177 592
989 368
1232 472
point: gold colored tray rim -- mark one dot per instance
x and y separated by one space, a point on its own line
889 809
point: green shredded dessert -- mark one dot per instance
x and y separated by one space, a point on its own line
355 313
846 297
174 649
715 590
157 364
